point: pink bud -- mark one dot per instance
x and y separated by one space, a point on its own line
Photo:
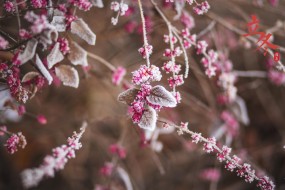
42 119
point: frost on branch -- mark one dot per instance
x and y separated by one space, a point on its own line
29 51
160 96
128 96
68 75
43 69
55 56
148 120
81 29
77 55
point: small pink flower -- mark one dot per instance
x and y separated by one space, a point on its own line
3 43
63 45
42 119
38 3
9 6
107 169
145 51
24 34
3 129
210 174
201 47
118 150
15 141
202 8
118 75
209 146
21 110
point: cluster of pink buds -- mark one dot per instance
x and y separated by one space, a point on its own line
9 6
54 162
15 141
39 22
232 162
201 8
118 150
146 74
118 75
3 43
146 51
107 169
121 8
12 77
63 45
38 3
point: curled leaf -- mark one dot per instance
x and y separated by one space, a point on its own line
81 29
68 75
30 76
77 55
148 120
128 96
43 69
54 56
59 23
29 51
160 96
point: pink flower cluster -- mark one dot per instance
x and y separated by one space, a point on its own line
107 169
121 8
118 150
84 5
9 6
15 141
118 75
38 3
12 77
3 43
201 8
187 20
63 45
39 22
146 51
146 74
54 162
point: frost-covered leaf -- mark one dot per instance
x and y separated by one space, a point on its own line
98 3
77 55
29 51
128 96
148 120
160 96
43 69
59 23
81 29
48 36
29 76
55 56
240 110
68 75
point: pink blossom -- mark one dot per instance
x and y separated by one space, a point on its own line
210 174
38 3
42 119
63 45
84 5
171 67
3 129
187 20
107 169
9 6
225 152
201 47
15 141
118 75
3 43
276 77
265 183
24 34
209 146
145 51
118 150
202 8
196 137
177 80
146 74
21 110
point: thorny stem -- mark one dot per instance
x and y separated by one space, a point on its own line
144 33
173 30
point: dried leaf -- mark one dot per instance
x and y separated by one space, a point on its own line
160 96
98 3
55 56
29 51
68 75
29 76
59 23
240 110
128 96
43 69
77 55
81 29
148 120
